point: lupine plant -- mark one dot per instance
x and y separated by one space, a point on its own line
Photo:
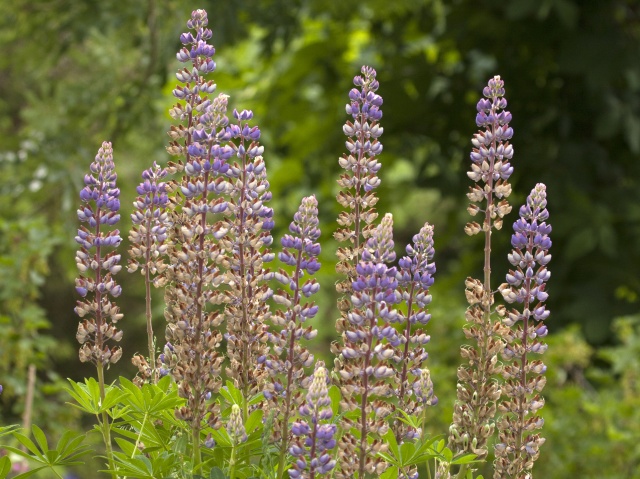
233 392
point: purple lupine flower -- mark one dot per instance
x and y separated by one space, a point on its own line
518 446
315 438
475 407
369 342
147 236
285 366
100 198
415 277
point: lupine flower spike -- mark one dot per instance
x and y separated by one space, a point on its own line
357 185
96 284
477 391
147 251
285 364
415 277
364 363
518 445
191 352
314 437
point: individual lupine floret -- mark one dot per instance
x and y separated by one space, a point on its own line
415 277
477 391
518 445
100 212
357 185
315 437
192 276
363 364
244 236
147 251
286 364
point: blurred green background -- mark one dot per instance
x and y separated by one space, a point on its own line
75 73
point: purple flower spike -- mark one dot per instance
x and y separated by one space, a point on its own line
314 437
363 365
415 277
518 446
95 283
148 234
286 364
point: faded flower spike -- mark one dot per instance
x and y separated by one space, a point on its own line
147 250
101 204
192 276
518 446
315 438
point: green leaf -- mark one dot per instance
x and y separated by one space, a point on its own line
40 438
390 473
30 473
254 420
5 466
465 459
335 396
216 473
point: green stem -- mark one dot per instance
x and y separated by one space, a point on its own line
463 471
197 458
232 462
104 424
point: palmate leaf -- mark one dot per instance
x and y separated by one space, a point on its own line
66 452
87 396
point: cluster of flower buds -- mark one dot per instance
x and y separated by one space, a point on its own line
314 437
415 277
300 250
357 185
95 284
147 251
244 236
477 392
235 426
518 445
191 275
364 360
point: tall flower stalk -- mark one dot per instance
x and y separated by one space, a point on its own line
364 364
289 358
518 445
477 390
192 277
147 252
101 203
356 224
